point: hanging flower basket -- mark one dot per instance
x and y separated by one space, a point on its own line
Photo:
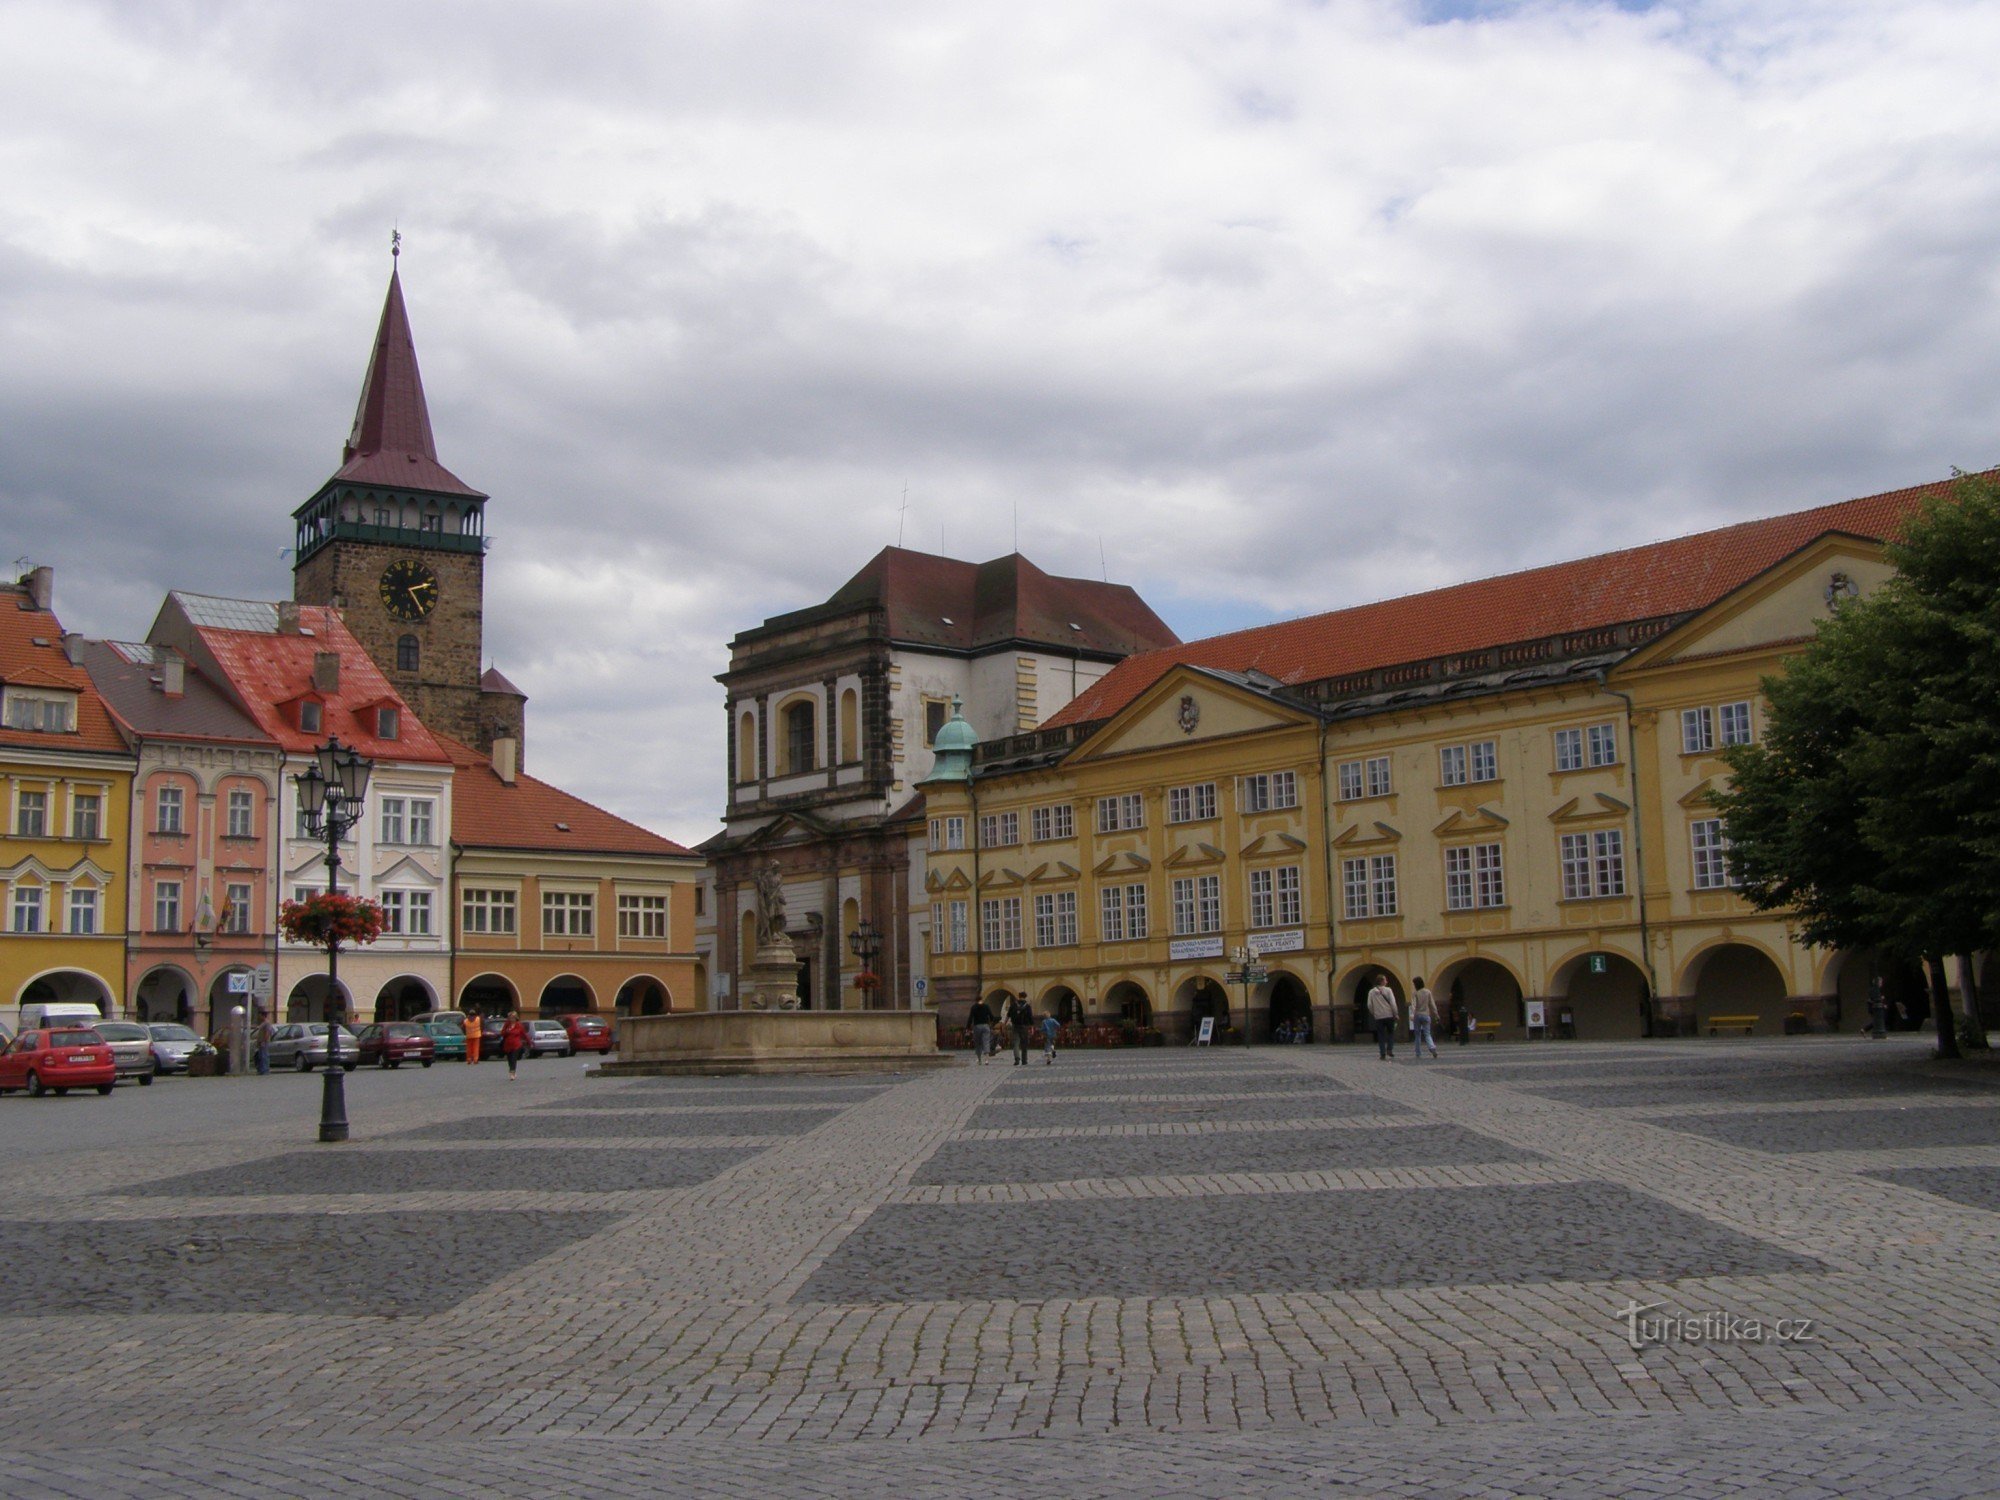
329 918
865 981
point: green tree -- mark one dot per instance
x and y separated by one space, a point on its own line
1871 810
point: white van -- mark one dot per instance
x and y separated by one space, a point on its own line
39 1013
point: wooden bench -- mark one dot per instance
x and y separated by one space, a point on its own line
1746 1023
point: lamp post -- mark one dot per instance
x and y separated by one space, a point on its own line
331 790
865 942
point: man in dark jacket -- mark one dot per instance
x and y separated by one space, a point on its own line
981 1022
1021 1016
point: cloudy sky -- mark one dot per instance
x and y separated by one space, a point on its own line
1272 306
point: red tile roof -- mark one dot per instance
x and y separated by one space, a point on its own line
267 668
391 442
1640 583
488 813
31 655
945 602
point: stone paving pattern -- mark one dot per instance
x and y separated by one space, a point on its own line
1215 1322
471 1170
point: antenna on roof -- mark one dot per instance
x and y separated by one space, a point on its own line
904 512
1017 526
1102 566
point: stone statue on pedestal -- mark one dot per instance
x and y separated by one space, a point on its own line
774 972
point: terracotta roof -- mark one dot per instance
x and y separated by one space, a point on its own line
266 668
391 442
1640 583
488 813
31 655
128 675
942 601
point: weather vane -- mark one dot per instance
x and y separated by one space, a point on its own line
395 244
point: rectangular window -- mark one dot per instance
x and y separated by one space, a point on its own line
1473 877
1697 730
1451 765
1601 744
241 809
392 820
167 906
568 914
1349 781
303 893
1368 886
168 810
419 913
423 813
31 816
27 908
1111 925
1191 804
1274 897
1269 791
1262 907
961 925
1379 782
1735 723
40 715
937 713
1382 876
1197 904
1711 855
1135 912
1055 919
1575 851
82 908
1121 812
1000 923
236 907
1459 764
1569 749
391 903
1056 822
387 723
1593 864
86 815
642 916
1608 856
308 716
997 830
487 911
1485 761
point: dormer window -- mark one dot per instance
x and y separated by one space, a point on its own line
41 711
388 722
309 715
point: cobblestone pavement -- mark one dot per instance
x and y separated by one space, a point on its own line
1275 1271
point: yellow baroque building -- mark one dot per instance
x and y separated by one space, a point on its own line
1498 787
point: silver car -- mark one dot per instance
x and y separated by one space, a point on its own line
546 1036
173 1045
131 1046
302 1045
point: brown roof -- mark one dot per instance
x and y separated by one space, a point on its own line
1658 580
128 674
941 601
31 655
488 813
391 442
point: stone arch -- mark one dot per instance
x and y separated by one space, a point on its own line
1489 989
308 1001
566 995
642 995
1287 1004
746 747
165 992
850 727
1735 978
1351 990
403 997
1062 1002
1129 1002
798 734
1199 997
1617 1002
77 986
489 995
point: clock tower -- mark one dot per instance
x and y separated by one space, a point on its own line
397 543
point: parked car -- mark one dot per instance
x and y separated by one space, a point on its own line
56 1060
302 1045
131 1048
548 1036
42 1014
390 1044
449 1037
172 1045
588 1033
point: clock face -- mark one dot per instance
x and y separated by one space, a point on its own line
409 589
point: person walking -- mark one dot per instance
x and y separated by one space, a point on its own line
1878 1009
981 1022
1423 1020
1382 1014
514 1042
1051 1027
262 1055
1021 1019
471 1037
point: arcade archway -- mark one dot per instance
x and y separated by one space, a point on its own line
1605 994
489 995
1063 1003
403 997
1201 998
644 996
308 1001
164 994
565 995
1488 990
1130 1003
1290 1009
1734 979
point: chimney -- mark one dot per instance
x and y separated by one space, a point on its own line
288 617
507 758
72 647
41 586
173 674
326 672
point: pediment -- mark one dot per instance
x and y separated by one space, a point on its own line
1482 819
1189 705
405 869
1368 833
1696 796
1272 843
1006 875
1054 872
938 884
1196 853
1126 863
1596 807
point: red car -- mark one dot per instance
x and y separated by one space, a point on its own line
390 1044
56 1060
588 1033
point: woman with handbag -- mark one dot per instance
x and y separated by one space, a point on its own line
514 1041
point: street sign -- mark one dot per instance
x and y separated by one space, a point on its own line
262 988
1600 963
923 988
1207 1033
1247 976
239 981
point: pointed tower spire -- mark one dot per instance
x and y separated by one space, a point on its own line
390 442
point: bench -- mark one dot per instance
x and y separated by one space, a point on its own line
1746 1023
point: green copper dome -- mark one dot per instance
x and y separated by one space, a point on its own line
953 747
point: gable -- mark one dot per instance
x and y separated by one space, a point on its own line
1187 707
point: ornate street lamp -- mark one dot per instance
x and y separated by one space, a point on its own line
331 790
865 942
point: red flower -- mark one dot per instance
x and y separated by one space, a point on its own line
866 981
330 918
